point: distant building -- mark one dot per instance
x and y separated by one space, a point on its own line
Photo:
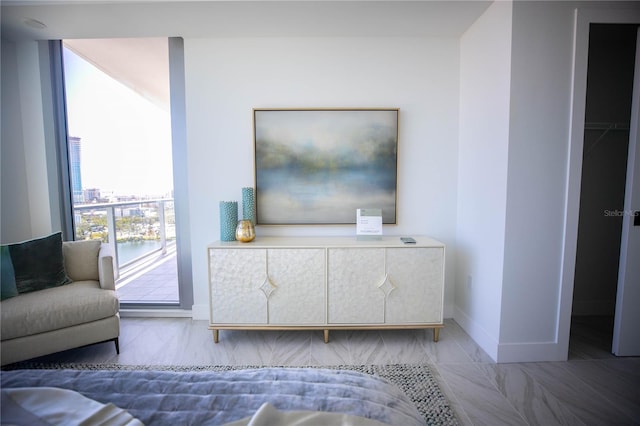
76 174
128 212
92 195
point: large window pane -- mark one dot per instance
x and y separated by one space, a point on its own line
119 136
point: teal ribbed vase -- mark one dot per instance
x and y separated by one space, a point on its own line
249 205
228 220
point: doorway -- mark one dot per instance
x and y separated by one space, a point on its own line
610 79
120 156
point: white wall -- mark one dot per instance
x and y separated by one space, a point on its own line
485 52
532 318
15 200
227 77
538 148
36 162
26 160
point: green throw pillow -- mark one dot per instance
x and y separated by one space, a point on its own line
8 276
39 264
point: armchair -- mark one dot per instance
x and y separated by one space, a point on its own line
82 312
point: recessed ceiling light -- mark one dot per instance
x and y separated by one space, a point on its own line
34 23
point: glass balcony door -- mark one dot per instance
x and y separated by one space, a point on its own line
120 160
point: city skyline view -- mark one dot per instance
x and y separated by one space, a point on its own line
125 139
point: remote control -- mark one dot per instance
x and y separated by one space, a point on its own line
407 240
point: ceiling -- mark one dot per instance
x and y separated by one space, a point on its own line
53 19
109 33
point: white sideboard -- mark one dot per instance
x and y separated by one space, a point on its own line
326 283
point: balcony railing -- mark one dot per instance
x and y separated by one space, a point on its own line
133 229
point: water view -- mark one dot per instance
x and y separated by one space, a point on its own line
130 250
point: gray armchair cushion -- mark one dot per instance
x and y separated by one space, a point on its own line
55 308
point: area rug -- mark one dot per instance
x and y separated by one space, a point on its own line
416 381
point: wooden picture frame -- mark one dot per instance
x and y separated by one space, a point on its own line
318 166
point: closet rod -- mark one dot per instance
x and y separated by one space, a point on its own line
606 126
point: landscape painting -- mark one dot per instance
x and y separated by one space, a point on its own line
318 166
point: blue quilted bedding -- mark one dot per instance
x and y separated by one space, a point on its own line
214 398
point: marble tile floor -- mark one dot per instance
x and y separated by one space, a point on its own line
586 390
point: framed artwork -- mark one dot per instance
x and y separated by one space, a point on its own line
318 166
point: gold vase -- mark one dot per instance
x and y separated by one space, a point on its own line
245 231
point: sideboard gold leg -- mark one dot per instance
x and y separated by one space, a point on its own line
326 336
215 336
436 334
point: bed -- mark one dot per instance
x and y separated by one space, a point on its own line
290 395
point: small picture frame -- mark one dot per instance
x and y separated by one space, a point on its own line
369 222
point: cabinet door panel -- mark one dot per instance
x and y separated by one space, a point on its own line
236 278
417 276
299 293
353 277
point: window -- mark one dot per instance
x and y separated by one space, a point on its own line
120 144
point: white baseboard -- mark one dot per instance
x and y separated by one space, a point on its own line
155 313
529 352
200 312
487 342
508 352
